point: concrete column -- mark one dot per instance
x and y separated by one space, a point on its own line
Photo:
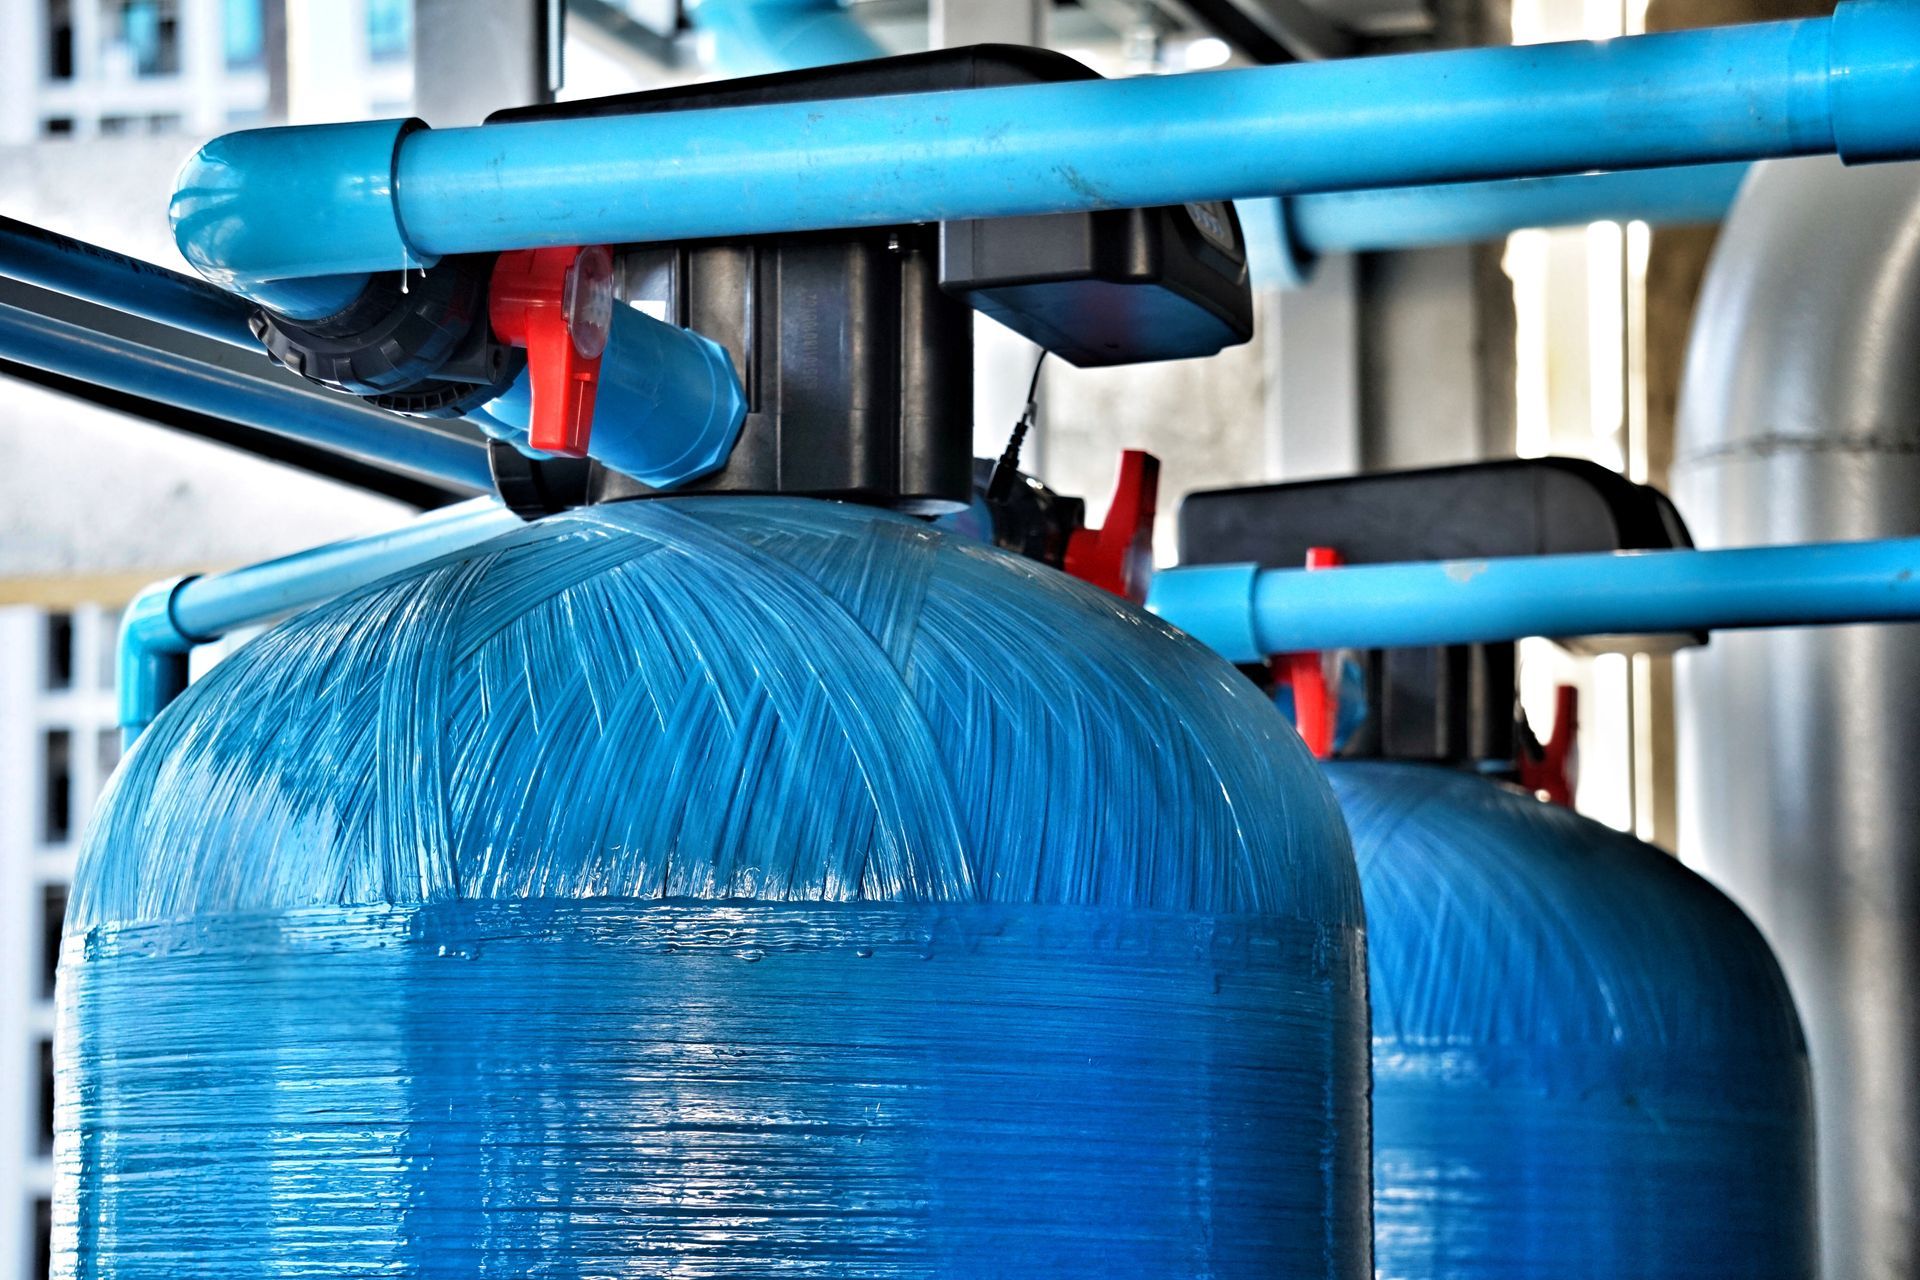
23 60
1002 360
473 57
1310 340
327 61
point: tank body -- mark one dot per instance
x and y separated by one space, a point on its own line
1585 1060
720 887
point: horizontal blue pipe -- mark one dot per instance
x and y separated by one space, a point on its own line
1849 83
1409 217
1247 613
1286 236
124 365
165 621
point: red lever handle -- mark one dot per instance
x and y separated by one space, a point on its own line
1550 774
558 304
1118 556
1316 702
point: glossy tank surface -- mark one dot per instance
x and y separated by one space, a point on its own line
731 886
1585 1060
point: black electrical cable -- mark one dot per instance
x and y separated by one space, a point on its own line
1000 485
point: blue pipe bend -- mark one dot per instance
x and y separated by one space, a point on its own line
165 621
751 37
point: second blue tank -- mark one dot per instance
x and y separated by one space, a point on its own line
1585 1061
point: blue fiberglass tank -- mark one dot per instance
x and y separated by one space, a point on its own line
717 887
1585 1060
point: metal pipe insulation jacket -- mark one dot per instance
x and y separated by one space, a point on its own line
726 887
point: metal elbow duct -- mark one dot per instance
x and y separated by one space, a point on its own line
1799 755
752 37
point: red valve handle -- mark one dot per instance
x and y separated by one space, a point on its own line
1118 556
1550 774
558 304
1316 701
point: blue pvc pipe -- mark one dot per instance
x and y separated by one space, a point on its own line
169 618
1247 613
669 408
1286 236
1850 83
231 201
48 260
751 37
1409 217
330 421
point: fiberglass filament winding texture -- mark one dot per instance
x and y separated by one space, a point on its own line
719 887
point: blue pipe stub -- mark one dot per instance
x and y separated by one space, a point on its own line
1586 1063
719 886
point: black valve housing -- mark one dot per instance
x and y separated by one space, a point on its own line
418 343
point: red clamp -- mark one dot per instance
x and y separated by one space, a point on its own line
1316 702
558 304
1549 773
1118 556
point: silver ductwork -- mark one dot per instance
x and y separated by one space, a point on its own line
1800 750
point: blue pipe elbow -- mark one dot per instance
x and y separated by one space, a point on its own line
669 409
151 668
231 205
755 36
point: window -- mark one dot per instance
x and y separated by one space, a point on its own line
145 35
58 667
42 1238
389 29
46 1097
53 914
56 756
107 651
246 34
59 40
57 127
106 753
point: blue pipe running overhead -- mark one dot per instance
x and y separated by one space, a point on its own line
1247 613
1408 217
310 200
1286 236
